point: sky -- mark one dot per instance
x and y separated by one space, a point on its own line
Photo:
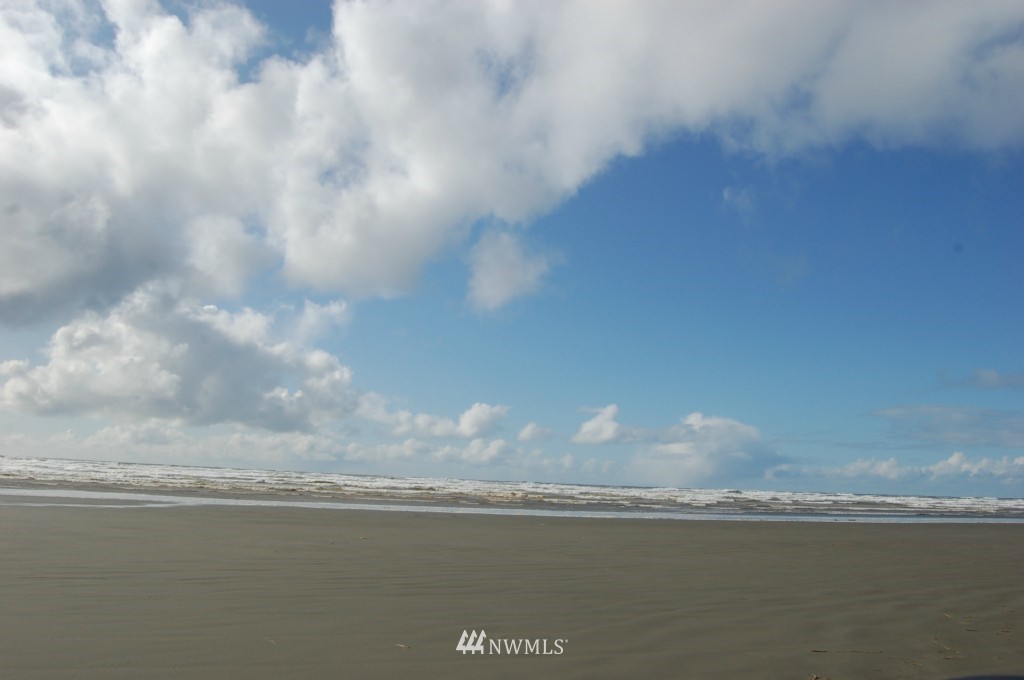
701 244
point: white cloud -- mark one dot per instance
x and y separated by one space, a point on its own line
701 449
224 255
101 152
476 421
960 464
480 419
169 150
159 441
503 270
697 449
155 356
602 428
409 449
886 469
538 463
532 432
236 444
316 320
477 452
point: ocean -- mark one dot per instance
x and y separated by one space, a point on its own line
39 481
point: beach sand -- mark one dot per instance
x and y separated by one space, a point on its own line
248 592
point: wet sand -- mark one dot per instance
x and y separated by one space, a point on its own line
244 592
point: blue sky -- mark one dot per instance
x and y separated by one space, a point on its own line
748 245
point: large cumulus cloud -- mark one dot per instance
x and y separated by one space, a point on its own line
178 142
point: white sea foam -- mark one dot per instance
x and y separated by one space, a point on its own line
429 494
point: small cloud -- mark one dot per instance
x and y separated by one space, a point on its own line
957 465
740 200
990 379
886 469
406 450
476 421
477 452
532 432
960 464
696 449
704 448
503 270
602 428
479 419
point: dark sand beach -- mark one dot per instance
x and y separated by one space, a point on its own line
247 592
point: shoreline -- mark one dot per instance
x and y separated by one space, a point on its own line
496 496
94 495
